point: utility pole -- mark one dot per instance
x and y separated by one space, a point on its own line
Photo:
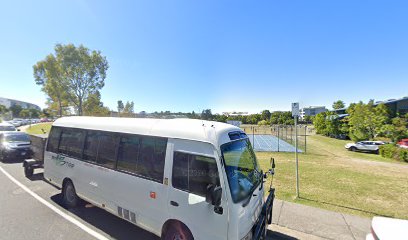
295 114
296 157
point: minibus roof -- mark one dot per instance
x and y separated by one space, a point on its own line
215 133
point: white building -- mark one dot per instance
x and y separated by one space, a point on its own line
11 102
311 111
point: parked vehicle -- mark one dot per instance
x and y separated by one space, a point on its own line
44 120
365 146
388 228
403 143
14 145
17 122
175 177
7 127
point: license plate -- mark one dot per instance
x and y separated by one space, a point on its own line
23 153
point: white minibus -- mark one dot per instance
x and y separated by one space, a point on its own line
177 178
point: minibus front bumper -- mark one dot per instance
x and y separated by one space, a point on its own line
265 218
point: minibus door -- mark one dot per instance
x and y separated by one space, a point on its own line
191 174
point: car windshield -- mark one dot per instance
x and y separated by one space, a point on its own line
241 167
7 128
16 138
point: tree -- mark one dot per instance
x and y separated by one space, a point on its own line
266 115
367 121
25 113
206 114
398 129
338 104
35 113
15 109
319 123
74 71
120 106
48 73
129 108
220 118
280 117
3 109
94 107
263 123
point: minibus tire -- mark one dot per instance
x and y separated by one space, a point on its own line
69 197
178 231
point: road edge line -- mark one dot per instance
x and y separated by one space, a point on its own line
54 208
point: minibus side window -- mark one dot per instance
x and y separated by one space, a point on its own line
91 146
128 153
53 139
71 142
151 158
107 150
193 173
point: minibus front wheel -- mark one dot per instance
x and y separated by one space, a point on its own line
177 231
69 196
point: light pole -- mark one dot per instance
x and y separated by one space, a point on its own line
295 114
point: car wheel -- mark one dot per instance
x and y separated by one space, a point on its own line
2 157
353 149
69 197
178 231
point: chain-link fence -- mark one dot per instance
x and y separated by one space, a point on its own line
278 138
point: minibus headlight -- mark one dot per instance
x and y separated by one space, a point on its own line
248 236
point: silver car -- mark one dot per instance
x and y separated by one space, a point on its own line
365 146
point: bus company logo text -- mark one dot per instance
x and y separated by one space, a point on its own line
59 160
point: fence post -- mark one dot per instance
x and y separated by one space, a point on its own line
278 138
305 136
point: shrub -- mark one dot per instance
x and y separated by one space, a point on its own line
263 123
395 152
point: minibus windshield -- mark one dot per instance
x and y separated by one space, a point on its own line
241 167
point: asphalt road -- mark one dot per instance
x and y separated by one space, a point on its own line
23 216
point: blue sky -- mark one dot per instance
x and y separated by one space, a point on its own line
224 55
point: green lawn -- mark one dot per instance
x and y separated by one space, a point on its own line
336 179
39 128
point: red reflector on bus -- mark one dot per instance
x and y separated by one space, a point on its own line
153 195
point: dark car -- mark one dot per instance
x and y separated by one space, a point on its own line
14 145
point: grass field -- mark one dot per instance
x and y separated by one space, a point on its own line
38 128
336 179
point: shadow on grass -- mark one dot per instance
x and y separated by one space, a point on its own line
341 206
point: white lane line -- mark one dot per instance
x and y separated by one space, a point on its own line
55 209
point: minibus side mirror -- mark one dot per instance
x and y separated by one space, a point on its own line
213 195
272 164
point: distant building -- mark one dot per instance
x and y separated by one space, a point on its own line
11 102
396 106
311 111
235 114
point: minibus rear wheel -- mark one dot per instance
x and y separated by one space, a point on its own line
69 196
178 231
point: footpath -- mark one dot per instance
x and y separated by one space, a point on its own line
298 221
